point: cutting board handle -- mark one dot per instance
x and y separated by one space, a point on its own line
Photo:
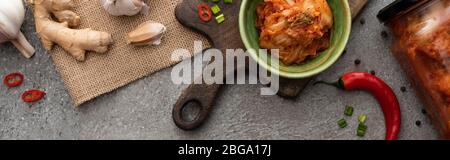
200 96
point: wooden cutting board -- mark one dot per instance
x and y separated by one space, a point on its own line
224 36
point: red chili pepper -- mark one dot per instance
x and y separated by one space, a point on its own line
382 92
33 95
204 12
13 79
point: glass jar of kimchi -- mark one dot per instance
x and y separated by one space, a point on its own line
421 32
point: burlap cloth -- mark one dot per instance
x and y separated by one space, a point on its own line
123 64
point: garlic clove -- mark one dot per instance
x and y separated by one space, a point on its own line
148 33
12 14
124 7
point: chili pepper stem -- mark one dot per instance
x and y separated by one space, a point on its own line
338 84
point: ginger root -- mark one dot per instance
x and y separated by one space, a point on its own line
75 41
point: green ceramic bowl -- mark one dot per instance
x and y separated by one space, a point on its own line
339 38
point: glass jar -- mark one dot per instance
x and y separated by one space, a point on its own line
421 32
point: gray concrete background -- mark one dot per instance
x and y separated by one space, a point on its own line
142 110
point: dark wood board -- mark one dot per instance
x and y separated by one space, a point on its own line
223 36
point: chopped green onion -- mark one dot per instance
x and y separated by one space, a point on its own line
362 127
228 1
220 18
348 110
362 118
360 133
342 123
215 9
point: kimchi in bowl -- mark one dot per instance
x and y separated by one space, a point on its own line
339 35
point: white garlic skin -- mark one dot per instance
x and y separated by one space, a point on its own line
159 29
12 14
124 7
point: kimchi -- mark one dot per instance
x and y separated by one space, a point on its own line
298 28
422 46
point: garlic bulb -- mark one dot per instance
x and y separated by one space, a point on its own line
124 7
12 14
148 33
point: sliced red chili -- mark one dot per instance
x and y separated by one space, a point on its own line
33 95
13 79
204 12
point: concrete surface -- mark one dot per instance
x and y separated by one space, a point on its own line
142 110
